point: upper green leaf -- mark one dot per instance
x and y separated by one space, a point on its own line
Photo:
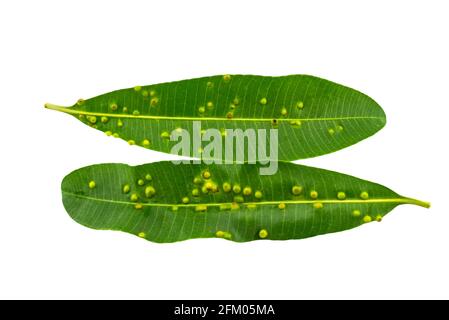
163 202
313 116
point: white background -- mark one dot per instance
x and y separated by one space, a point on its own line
59 51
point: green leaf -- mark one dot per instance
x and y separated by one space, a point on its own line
164 202
313 116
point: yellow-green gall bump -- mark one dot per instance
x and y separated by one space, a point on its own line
140 182
318 205
116 135
239 199
126 188
125 109
209 185
263 101
210 104
80 102
251 206
339 128
295 123
154 102
150 191
227 77
220 234
131 142
236 188
119 123
236 101
247 191
209 85
341 195
331 131
136 113
146 143
185 200
174 208
367 219
104 119
364 195
281 206
113 106
145 93
92 119
201 208
108 133
225 206
227 187
137 88
258 194
138 206
299 105
378 218
356 213
134 197
296 190
284 112
201 109
165 135
92 184
206 174
195 192
197 180
313 194
148 177
263 233
141 234
229 115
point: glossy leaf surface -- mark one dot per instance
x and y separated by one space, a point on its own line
164 202
313 116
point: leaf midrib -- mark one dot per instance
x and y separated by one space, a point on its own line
273 202
150 117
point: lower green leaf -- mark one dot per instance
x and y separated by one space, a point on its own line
164 202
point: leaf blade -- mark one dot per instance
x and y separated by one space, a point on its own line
106 206
321 116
